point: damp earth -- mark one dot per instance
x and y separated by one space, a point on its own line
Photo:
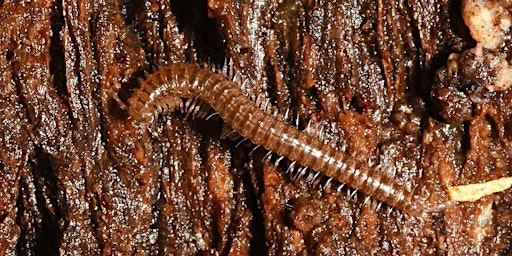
421 87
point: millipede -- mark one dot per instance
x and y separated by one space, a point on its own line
164 91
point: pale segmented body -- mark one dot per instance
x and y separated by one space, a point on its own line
163 91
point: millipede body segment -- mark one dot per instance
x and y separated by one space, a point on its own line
162 92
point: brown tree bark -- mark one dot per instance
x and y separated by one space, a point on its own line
80 177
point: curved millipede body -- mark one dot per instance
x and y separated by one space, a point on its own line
163 92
